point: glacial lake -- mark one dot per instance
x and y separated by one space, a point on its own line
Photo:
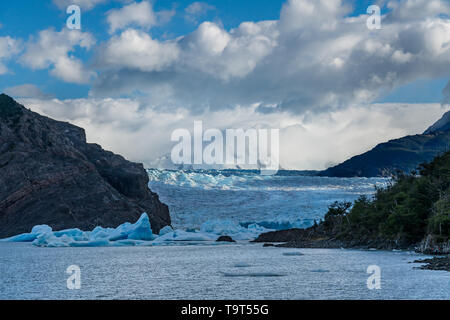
210 271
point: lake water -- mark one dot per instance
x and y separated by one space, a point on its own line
240 271
190 270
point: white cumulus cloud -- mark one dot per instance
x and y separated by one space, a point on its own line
135 14
196 10
314 58
54 50
8 48
135 49
84 4
26 91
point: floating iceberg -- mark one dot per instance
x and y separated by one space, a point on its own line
48 239
41 229
137 234
125 234
232 229
165 230
181 235
141 230
29 237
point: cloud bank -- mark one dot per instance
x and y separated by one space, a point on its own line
142 133
314 73
314 58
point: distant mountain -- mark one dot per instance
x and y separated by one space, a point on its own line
442 125
404 154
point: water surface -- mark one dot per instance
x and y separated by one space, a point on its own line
240 271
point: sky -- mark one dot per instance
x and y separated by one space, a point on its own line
138 70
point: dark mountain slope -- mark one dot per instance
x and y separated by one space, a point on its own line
50 175
404 154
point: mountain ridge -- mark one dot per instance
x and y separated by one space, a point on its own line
403 154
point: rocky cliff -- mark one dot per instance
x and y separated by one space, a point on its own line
50 175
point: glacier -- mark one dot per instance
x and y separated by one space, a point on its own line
136 234
287 200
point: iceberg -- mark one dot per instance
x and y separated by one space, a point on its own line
136 234
24 237
126 234
232 229
141 230
48 239
165 230
42 228
76 234
29 237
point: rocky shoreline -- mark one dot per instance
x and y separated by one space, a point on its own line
316 238
436 263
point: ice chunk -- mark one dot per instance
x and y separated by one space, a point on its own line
126 234
221 227
165 230
43 228
29 237
141 230
232 229
24 237
127 243
136 234
101 233
48 239
76 234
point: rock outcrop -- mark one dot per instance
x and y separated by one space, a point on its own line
225 239
435 263
431 245
50 175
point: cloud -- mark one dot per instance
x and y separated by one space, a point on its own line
314 58
165 16
84 4
282 74
416 9
54 50
8 48
135 49
142 132
196 10
27 91
135 14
